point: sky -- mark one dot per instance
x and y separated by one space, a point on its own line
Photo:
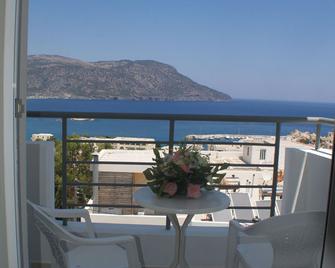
259 49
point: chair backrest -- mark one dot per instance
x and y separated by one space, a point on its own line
278 206
263 213
296 238
243 200
59 239
222 215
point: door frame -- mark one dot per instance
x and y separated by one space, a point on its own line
11 254
21 43
328 256
13 54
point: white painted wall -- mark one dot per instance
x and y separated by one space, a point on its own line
40 173
40 190
205 246
247 152
306 182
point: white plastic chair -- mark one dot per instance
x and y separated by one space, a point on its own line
288 241
71 251
243 200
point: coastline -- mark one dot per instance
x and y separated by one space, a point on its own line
144 128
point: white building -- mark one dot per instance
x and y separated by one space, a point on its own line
136 143
42 137
258 154
126 143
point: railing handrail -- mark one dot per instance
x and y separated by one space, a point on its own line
181 117
321 120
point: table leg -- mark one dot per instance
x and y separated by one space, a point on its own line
180 241
175 223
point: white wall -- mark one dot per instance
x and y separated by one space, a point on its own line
205 246
40 190
40 173
306 182
247 151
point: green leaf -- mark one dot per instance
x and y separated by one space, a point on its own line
153 183
157 154
148 174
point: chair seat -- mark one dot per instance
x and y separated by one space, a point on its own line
110 256
249 255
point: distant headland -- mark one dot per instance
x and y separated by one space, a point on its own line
52 76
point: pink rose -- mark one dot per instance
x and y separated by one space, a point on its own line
170 188
193 190
185 168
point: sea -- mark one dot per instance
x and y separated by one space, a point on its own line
159 130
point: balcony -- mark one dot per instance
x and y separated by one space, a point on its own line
280 181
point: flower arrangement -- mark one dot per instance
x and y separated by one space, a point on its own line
185 173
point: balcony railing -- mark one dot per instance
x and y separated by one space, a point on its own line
171 142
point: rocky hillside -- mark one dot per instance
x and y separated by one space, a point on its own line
60 77
310 138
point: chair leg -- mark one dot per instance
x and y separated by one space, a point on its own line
236 262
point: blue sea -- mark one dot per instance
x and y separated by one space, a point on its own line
159 129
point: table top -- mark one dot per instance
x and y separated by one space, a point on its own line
209 201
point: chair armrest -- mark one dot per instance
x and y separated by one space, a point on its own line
69 213
236 226
73 213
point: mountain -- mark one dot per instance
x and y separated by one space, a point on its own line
52 76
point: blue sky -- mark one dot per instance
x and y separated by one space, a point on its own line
259 49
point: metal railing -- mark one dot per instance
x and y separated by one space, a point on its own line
171 142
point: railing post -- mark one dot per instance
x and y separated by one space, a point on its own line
318 136
64 162
275 170
171 144
171 136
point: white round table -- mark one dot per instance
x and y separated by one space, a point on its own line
209 201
